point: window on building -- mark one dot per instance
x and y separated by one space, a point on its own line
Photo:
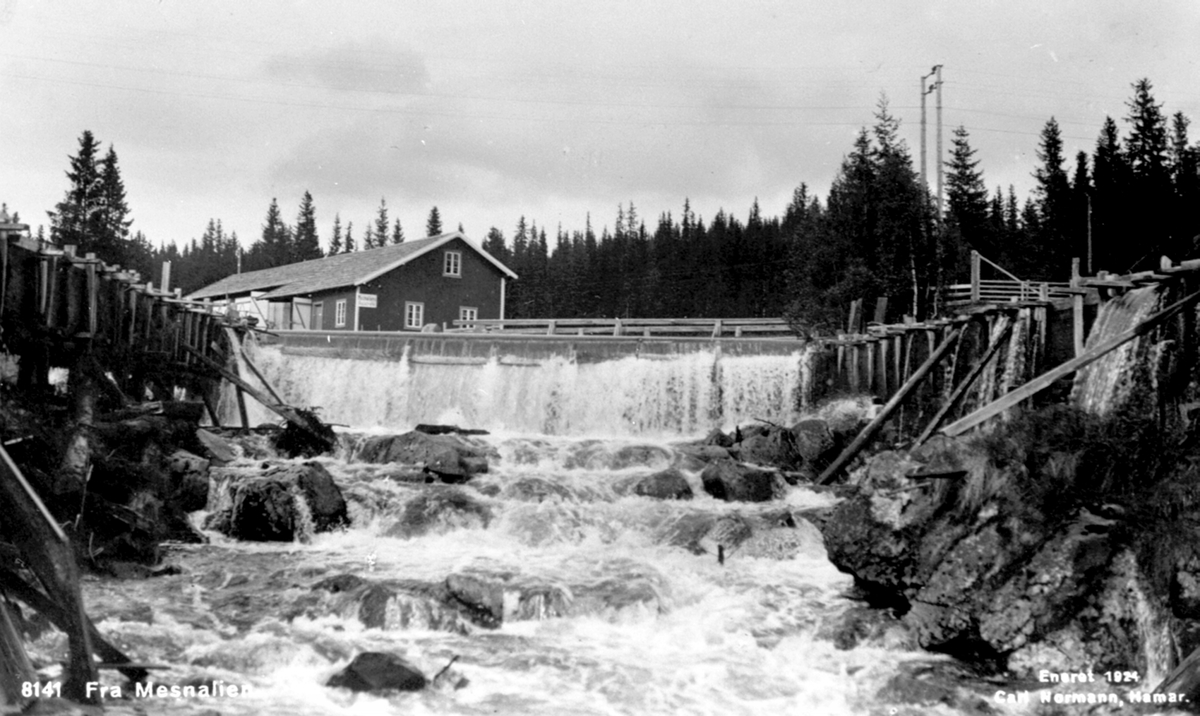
339 313
468 313
452 266
414 314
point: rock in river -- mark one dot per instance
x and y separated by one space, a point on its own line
379 671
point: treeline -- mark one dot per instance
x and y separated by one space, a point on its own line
1121 208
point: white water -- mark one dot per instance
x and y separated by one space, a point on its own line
611 603
665 397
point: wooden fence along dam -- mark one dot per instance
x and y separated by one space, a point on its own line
1000 343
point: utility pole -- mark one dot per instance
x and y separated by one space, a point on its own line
938 84
925 90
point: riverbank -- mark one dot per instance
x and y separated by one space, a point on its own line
1060 543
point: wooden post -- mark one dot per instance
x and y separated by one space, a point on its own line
855 310
133 312
1043 381
241 403
854 367
873 427
1076 309
881 309
93 292
871 367
883 365
975 276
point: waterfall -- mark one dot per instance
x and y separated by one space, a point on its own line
1110 382
663 395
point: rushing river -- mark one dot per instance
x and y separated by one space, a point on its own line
612 603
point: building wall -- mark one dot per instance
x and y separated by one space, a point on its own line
421 280
328 309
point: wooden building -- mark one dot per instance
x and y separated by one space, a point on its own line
407 286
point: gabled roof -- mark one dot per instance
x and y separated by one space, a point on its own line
352 269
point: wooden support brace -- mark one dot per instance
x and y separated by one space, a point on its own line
868 433
1018 395
961 389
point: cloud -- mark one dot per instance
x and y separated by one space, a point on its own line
360 66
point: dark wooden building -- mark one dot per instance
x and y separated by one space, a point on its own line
407 286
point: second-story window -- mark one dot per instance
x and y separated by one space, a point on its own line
452 265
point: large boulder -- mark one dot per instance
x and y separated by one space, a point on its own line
263 507
771 447
727 480
667 484
815 443
378 671
448 456
189 480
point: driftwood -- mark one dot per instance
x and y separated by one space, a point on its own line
1045 380
873 427
307 423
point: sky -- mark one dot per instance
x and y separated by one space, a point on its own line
492 110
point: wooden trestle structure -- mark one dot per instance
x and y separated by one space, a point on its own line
57 306
119 336
924 369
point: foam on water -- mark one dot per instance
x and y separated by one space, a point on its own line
671 396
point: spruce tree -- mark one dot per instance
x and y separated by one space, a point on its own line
966 195
306 245
433 227
1112 248
381 224
397 232
335 241
350 247
494 245
79 218
1051 249
1146 151
1185 179
113 221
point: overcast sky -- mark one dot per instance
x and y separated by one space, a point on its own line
495 109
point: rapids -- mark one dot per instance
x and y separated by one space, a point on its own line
612 602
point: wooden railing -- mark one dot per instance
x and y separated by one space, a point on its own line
1005 290
644 327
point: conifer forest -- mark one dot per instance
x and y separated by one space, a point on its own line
1122 207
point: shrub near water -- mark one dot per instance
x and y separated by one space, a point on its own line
1060 459
1051 463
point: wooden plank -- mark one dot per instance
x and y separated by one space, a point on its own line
961 389
868 433
1018 395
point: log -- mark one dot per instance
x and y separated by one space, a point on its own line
44 547
15 668
1183 679
873 427
962 388
286 412
1045 380
12 584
